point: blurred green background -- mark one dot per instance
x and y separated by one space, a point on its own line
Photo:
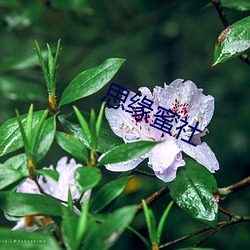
162 41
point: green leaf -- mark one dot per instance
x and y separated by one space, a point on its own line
20 204
92 128
74 228
108 193
107 139
18 162
105 235
53 174
233 41
241 5
73 146
10 136
84 125
16 240
87 177
19 90
8 176
46 137
99 121
193 191
162 222
151 223
90 81
127 152
69 230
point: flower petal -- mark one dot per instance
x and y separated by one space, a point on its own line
29 187
165 158
201 153
184 98
126 165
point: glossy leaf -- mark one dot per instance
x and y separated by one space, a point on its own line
87 177
90 81
241 5
19 90
20 204
108 193
73 146
53 174
193 191
10 136
69 230
16 240
107 138
127 152
233 41
18 162
46 137
105 235
8 176
151 223
162 221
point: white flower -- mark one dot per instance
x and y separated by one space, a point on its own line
58 189
186 101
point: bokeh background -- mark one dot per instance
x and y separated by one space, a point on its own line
161 41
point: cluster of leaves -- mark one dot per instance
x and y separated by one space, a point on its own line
193 190
35 131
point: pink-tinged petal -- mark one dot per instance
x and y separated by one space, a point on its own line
29 187
202 154
125 166
125 125
59 189
185 99
165 158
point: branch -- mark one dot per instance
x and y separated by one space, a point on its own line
144 173
226 23
152 198
223 192
235 220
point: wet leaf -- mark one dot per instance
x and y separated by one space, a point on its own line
107 138
108 193
233 41
87 177
105 235
10 135
193 191
9 176
90 81
73 146
20 204
126 152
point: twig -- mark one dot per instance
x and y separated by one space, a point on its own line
224 211
226 23
235 220
223 192
152 198
144 173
